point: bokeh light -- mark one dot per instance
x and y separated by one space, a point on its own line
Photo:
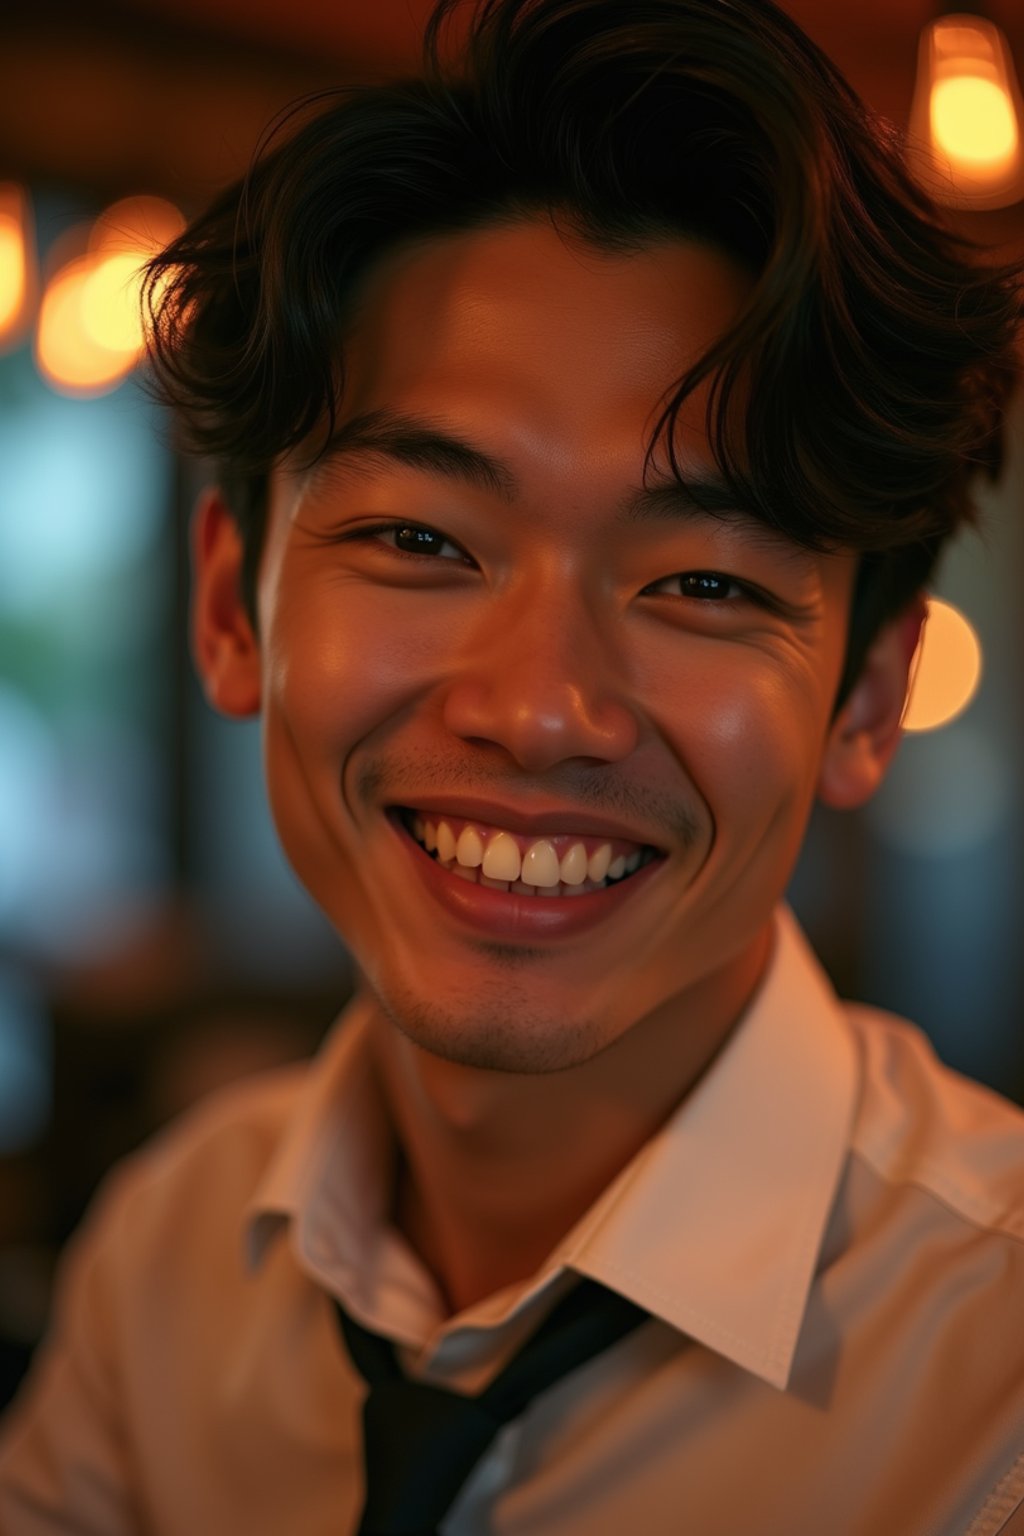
972 120
12 270
17 255
948 669
90 333
966 118
69 355
140 223
109 302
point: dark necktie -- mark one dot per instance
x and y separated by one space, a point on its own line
421 1442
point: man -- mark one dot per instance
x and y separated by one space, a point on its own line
588 418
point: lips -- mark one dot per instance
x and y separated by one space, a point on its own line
516 909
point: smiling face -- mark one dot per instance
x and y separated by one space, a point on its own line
471 615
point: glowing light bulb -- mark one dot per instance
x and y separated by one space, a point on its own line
90 332
124 237
68 356
972 119
137 224
12 270
967 116
109 302
948 669
16 262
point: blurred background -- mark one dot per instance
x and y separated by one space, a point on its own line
153 943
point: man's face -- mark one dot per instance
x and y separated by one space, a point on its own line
534 650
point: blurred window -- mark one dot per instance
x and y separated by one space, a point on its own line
86 599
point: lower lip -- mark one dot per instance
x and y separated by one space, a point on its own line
507 915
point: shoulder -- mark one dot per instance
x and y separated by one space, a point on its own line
920 1123
201 1170
235 1129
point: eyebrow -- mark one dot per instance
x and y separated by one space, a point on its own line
422 442
418 442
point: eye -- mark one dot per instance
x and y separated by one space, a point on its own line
705 586
409 541
416 540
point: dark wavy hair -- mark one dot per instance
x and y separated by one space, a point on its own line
877 348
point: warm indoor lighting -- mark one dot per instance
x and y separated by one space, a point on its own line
123 238
90 332
972 121
967 117
137 224
110 302
17 258
69 354
947 672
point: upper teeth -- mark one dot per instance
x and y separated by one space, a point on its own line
499 855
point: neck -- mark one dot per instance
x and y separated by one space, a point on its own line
495 1168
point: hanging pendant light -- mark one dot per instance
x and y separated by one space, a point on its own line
967 118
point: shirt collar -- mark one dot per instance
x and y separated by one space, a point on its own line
714 1227
337 1125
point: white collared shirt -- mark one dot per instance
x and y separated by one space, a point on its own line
828 1234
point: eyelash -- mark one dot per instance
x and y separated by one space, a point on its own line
747 593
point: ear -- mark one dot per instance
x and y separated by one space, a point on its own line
863 737
224 648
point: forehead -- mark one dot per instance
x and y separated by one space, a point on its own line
565 341
550 356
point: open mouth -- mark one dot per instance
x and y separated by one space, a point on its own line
560 865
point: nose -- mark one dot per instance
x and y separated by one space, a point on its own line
540 679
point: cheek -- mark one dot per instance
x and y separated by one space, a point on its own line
339 665
748 731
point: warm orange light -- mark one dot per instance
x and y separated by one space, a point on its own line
973 121
110 302
90 332
124 237
68 355
16 261
948 669
142 225
967 117
12 270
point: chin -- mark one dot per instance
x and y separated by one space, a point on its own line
513 1034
